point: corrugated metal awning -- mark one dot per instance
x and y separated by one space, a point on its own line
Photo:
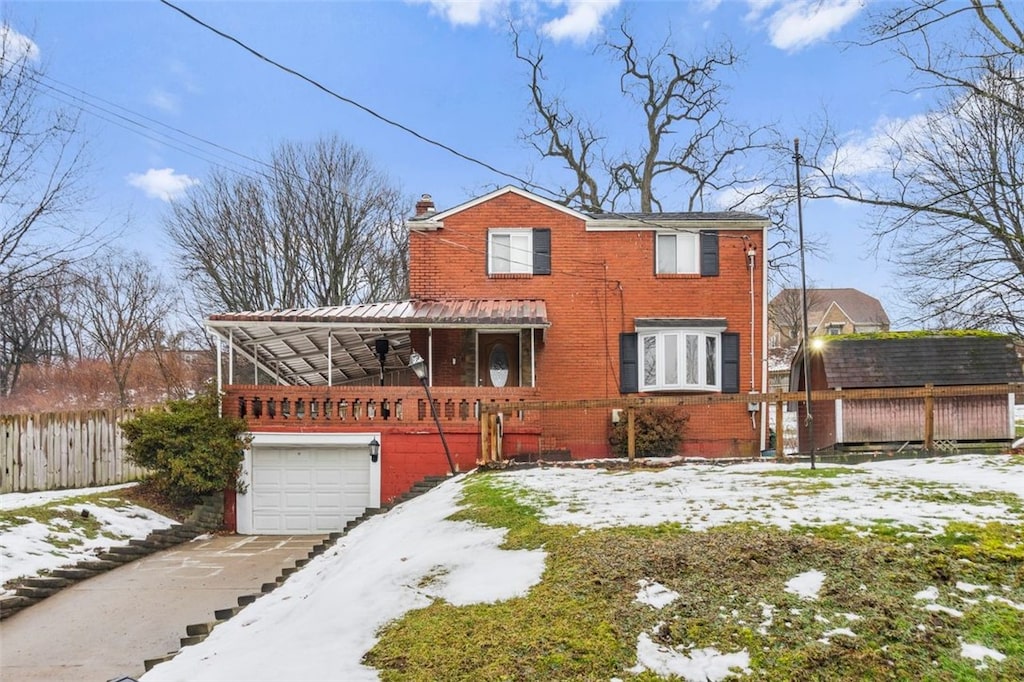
335 345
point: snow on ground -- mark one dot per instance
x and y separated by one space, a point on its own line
702 496
413 555
382 569
32 547
405 559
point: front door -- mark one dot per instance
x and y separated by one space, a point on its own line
498 360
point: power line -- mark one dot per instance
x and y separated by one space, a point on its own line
348 100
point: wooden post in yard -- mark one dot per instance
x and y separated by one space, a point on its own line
778 425
484 437
929 418
631 434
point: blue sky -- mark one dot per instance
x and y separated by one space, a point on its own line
445 69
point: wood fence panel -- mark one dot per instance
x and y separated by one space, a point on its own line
64 450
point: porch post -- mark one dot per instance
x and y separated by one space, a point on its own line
330 358
430 356
220 369
255 364
533 359
231 356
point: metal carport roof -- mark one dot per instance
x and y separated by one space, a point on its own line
335 345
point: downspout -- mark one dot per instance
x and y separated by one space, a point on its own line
764 353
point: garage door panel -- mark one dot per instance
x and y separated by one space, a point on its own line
308 489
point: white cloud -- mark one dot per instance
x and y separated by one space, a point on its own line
795 24
164 101
16 46
867 153
575 20
582 20
467 12
161 183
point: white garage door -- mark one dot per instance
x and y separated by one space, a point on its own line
299 489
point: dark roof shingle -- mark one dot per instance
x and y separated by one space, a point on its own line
938 360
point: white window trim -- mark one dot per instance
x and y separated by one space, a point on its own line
661 336
515 268
681 268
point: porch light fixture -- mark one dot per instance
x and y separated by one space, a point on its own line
374 450
419 368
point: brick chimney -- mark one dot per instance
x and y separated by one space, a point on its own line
425 206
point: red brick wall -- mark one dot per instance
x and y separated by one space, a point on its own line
600 282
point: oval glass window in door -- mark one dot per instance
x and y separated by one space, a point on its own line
497 366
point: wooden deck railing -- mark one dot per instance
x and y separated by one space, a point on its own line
277 405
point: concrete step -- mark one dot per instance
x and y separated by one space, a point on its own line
46 582
268 587
10 605
189 641
109 557
149 663
145 544
36 592
299 563
200 628
74 574
97 565
227 614
133 550
247 599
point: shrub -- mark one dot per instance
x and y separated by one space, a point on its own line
191 450
658 431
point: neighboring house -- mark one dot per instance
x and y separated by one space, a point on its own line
907 361
829 312
513 297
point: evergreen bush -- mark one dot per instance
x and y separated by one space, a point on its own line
190 449
658 431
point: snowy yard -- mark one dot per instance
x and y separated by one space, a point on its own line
47 530
701 572
696 572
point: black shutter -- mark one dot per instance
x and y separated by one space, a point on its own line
629 376
709 253
730 362
541 251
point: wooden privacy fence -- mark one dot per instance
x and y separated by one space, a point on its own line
55 450
922 400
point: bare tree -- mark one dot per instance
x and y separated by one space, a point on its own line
41 165
949 187
41 172
35 326
323 227
690 143
121 307
786 313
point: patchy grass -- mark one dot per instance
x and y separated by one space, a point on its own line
806 473
61 516
582 621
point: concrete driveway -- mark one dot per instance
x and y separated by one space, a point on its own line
105 627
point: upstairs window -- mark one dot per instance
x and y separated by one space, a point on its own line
522 251
677 254
686 253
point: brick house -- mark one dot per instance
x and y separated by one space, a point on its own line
513 298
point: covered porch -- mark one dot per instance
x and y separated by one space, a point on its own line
349 365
